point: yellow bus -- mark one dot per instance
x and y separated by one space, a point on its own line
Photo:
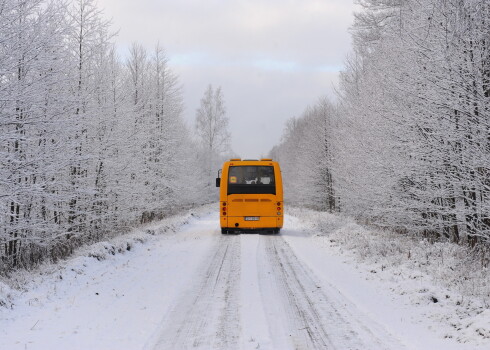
251 197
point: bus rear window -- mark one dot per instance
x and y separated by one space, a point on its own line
251 179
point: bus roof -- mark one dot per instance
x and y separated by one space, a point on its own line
251 160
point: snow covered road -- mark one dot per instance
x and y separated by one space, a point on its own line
268 300
198 289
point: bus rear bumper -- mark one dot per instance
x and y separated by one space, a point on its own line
239 224
263 230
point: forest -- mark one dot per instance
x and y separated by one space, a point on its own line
91 144
406 146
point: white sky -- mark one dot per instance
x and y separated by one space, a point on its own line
272 58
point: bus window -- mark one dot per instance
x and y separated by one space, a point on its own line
251 179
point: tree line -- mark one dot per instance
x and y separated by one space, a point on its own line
90 144
407 144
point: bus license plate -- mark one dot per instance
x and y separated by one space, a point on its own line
251 218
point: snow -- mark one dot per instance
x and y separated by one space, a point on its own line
180 284
103 301
438 285
254 330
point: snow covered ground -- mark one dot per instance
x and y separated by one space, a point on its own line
180 284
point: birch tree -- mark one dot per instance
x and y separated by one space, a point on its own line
212 132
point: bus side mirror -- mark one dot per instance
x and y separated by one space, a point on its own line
218 182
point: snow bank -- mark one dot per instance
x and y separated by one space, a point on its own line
22 280
452 281
6 295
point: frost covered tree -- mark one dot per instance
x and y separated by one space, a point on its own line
33 101
89 44
409 137
212 122
90 145
305 154
415 103
213 135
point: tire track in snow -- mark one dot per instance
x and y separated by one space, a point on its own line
207 316
317 315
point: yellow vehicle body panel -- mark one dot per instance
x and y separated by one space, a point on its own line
264 211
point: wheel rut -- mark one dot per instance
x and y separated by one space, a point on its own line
207 315
317 315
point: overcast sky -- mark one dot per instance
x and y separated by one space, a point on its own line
272 58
